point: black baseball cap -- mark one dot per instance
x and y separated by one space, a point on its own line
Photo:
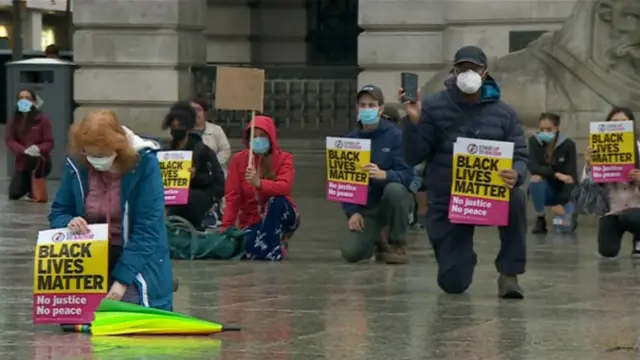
372 90
472 54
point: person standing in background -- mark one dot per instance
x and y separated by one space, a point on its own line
52 52
28 136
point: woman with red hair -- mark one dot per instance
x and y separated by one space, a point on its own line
258 194
113 176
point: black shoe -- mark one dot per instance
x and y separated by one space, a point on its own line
540 226
508 287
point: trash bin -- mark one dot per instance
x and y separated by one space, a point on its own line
52 80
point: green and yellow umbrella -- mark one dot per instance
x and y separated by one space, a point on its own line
119 318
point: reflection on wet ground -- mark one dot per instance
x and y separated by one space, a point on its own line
315 306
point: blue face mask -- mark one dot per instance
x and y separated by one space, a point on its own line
261 145
369 116
24 105
546 137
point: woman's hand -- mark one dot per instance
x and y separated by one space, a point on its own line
117 291
251 175
588 156
564 178
558 210
635 175
78 225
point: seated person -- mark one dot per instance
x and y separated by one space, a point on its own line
207 177
389 199
107 161
624 203
258 194
553 167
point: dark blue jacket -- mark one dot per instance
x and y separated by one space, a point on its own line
433 137
144 262
386 152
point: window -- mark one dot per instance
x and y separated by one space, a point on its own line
48 37
519 40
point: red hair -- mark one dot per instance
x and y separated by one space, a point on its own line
102 128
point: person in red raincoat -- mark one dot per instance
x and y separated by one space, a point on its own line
258 196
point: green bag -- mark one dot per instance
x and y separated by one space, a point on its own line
186 243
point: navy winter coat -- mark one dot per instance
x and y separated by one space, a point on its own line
433 137
386 152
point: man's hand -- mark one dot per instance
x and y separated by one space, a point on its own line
193 172
564 178
356 223
558 210
375 172
635 175
509 176
536 178
413 109
251 175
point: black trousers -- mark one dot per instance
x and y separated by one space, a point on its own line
611 229
453 246
200 202
21 180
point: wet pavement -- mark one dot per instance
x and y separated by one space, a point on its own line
315 306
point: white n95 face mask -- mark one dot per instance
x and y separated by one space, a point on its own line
469 82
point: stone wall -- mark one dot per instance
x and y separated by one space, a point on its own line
134 56
421 36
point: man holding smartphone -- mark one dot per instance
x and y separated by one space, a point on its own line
470 106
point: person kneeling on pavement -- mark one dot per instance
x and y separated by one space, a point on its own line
389 200
258 194
623 200
113 177
207 176
554 173
469 107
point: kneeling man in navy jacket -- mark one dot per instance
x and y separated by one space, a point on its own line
469 107
380 226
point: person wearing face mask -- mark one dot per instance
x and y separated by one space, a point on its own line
554 170
623 200
113 176
258 194
29 137
207 176
379 227
470 107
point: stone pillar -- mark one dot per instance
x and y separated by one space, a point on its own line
227 29
134 57
32 30
278 32
401 35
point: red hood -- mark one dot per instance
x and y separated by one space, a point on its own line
267 125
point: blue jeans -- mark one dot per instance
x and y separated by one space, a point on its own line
542 195
267 240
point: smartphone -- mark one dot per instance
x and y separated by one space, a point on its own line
409 84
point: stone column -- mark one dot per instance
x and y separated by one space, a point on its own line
32 30
227 29
134 57
400 35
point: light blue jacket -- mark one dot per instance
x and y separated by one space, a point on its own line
145 256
